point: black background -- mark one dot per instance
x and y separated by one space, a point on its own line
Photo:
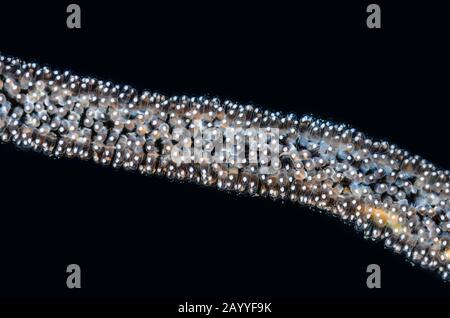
150 239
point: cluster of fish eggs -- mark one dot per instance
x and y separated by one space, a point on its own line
383 191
